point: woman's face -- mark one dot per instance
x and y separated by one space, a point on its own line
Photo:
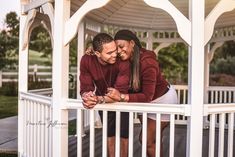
125 48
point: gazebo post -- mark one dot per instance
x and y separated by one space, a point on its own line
80 51
22 83
80 113
60 66
196 80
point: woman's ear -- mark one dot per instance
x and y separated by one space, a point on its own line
132 43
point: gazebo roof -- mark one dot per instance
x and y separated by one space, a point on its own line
137 14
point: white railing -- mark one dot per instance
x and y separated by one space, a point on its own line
182 93
221 94
45 91
141 108
216 95
38 114
37 121
223 116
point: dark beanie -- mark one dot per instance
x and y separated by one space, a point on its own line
127 35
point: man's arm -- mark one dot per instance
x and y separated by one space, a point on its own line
86 84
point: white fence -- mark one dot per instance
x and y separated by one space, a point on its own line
36 73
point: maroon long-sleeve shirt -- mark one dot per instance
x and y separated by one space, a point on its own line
97 77
153 84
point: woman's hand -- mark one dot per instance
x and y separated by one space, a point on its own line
89 100
113 94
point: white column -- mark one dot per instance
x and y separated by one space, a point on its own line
149 44
60 73
0 78
80 52
22 83
196 88
206 71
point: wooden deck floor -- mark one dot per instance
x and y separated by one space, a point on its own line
180 143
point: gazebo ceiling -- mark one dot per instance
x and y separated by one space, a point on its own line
137 14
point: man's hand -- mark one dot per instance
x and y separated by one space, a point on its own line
113 94
89 100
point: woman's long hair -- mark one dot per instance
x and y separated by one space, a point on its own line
135 70
135 62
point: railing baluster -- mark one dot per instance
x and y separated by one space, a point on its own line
104 131
35 128
172 135
24 108
144 134
50 133
46 146
131 136
31 128
230 134
79 132
220 96
117 136
42 130
225 97
158 135
92 133
212 97
38 127
216 97
184 97
221 134
28 126
230 97
212 135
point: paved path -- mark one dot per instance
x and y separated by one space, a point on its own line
8 134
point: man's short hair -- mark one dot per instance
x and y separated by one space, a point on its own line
99 40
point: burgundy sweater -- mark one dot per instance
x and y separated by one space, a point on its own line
97 77
153 84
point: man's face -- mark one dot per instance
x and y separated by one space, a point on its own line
109 53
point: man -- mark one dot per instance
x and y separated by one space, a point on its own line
99 72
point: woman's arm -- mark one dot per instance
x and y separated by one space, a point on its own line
149 72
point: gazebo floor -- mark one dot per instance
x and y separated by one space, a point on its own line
179 150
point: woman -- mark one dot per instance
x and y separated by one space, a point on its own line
146 83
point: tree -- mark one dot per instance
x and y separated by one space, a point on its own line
12 22
40 41
9 42
174 63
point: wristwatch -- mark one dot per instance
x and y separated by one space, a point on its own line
122 97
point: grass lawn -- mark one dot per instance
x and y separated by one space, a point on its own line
34 58
7 155
8 106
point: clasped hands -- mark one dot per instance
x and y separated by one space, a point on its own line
90 99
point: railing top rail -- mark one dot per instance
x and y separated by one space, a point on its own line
40 90
219 108
36 98
185 87
181 109
219 88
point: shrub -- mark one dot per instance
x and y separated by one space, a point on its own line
9 89
223 65
39 85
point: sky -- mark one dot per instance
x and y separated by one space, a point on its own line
6 6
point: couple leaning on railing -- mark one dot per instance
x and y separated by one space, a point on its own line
120 70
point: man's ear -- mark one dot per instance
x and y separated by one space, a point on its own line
97 53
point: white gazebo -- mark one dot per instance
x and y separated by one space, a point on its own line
43 118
